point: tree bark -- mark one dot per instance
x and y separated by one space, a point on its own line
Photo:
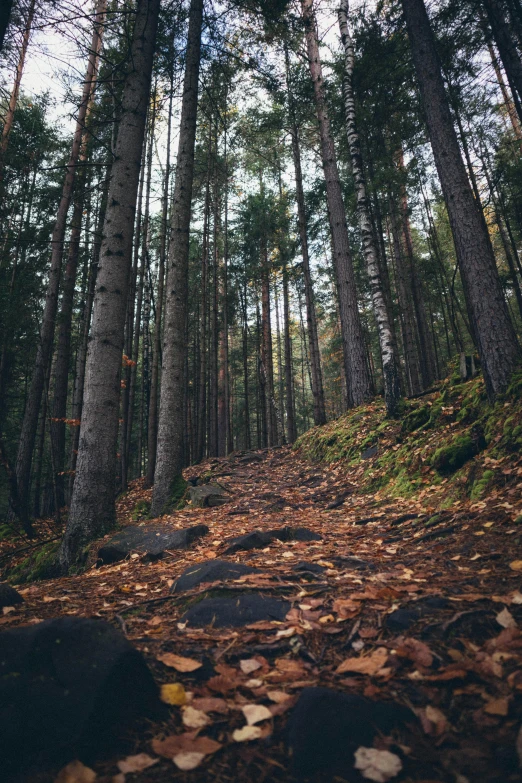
497 343
356 368
390 365
13 100
44 350
496 13
92 510
169 460
291 427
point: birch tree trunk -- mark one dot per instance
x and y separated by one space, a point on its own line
489 317
44 351
169 459
390 366
356 367
92 510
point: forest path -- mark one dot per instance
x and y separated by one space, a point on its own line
394 604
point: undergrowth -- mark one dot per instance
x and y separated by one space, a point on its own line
449 445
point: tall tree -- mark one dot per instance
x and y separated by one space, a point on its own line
356 367
390 366
497 343
92 507
44 351
169 458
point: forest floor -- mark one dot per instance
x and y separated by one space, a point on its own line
410 605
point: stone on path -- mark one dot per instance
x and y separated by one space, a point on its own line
210 571
9 596
236 612
309 568
151 540
70 688
404 617
207 496
326 727
258 539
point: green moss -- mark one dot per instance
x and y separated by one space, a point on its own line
481 485
177 492
42 564
141 511
450 458
417 418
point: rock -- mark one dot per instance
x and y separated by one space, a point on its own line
353 563
258 539
326 727
9 596
210 571
309 568
151 540
235 612
370 452
70 688
404 617
207 495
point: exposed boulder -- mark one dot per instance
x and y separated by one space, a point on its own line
258 539
150 540
210 571
326 727
9 596
208 495
236 612
70 688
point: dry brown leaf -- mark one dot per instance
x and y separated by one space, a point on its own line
279 697
368 665
179 663
210 704
136 763
255 713
249 665
76 772
188 759
506 619
177 743
415 651
247 733
497 707
194 719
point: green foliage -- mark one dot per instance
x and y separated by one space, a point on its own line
450 458
141 511
42 564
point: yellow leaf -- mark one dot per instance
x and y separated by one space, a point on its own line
497 707
516 565
173 693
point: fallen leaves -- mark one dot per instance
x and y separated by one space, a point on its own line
186 750
377 765
255 713
76 772
370 664
179 663
173 693
247 733
136 763
194 718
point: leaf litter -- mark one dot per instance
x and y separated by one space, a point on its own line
391 614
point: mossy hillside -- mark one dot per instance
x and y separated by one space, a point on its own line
446 446
40 564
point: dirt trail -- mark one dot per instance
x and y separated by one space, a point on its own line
394 604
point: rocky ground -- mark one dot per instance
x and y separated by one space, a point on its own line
417 613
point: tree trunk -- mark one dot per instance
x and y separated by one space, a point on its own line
92 508
13 100
359 387
390 365
44 350
202 411
291 427
311 318
508 102
169 460
497 343
500 27
156 351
